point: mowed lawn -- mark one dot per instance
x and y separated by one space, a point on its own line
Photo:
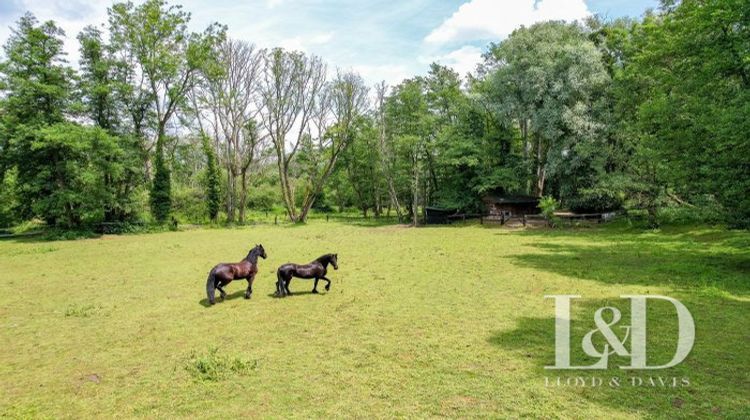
443 321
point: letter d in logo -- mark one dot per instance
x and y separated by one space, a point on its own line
686 331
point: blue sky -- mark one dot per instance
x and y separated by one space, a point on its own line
383 40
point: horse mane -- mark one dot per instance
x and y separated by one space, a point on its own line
324 258
252 256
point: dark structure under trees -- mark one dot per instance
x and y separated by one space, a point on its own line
507 206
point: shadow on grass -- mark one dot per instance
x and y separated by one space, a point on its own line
230 296
241 294
303 293
684 261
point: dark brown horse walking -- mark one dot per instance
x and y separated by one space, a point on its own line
223 274
315 270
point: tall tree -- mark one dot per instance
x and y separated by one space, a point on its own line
170 59
292 90
226 105
546 77
212 179
36 83
348 102
685 95
361 163
410 125
387 160
99 87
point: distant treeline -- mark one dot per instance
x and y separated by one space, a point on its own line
158 122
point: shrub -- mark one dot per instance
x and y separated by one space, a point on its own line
8 199
212 366
161 189
263 197
81 311
691 215
212 181
595 200
549 206
189 203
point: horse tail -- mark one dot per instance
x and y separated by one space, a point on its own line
211 286
279 283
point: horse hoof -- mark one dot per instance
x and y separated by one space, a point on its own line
315 291
328 288
247 296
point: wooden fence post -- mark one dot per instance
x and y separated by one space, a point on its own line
524 220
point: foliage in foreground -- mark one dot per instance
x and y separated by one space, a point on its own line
214 366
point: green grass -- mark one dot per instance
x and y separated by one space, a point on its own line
443 321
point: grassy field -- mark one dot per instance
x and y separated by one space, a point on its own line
444 321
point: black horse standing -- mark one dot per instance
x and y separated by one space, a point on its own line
223 274
315 270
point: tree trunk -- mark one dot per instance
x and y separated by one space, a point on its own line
287 195
524 126
317 188
243 196
387 171
378 209
230 196
540 168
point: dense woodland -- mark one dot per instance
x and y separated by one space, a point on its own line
156 122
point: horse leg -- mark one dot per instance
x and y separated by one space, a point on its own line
328 284
211 287
221 291
286 286
279 284
315 286
249 290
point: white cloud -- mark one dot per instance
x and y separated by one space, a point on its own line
71 15
303 43
273 3
463 60
391 74
493 19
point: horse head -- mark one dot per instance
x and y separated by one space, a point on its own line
257 251
334 260
261 251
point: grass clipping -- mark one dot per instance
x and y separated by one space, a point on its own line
212 366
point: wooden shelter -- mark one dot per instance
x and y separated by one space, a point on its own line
509 206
